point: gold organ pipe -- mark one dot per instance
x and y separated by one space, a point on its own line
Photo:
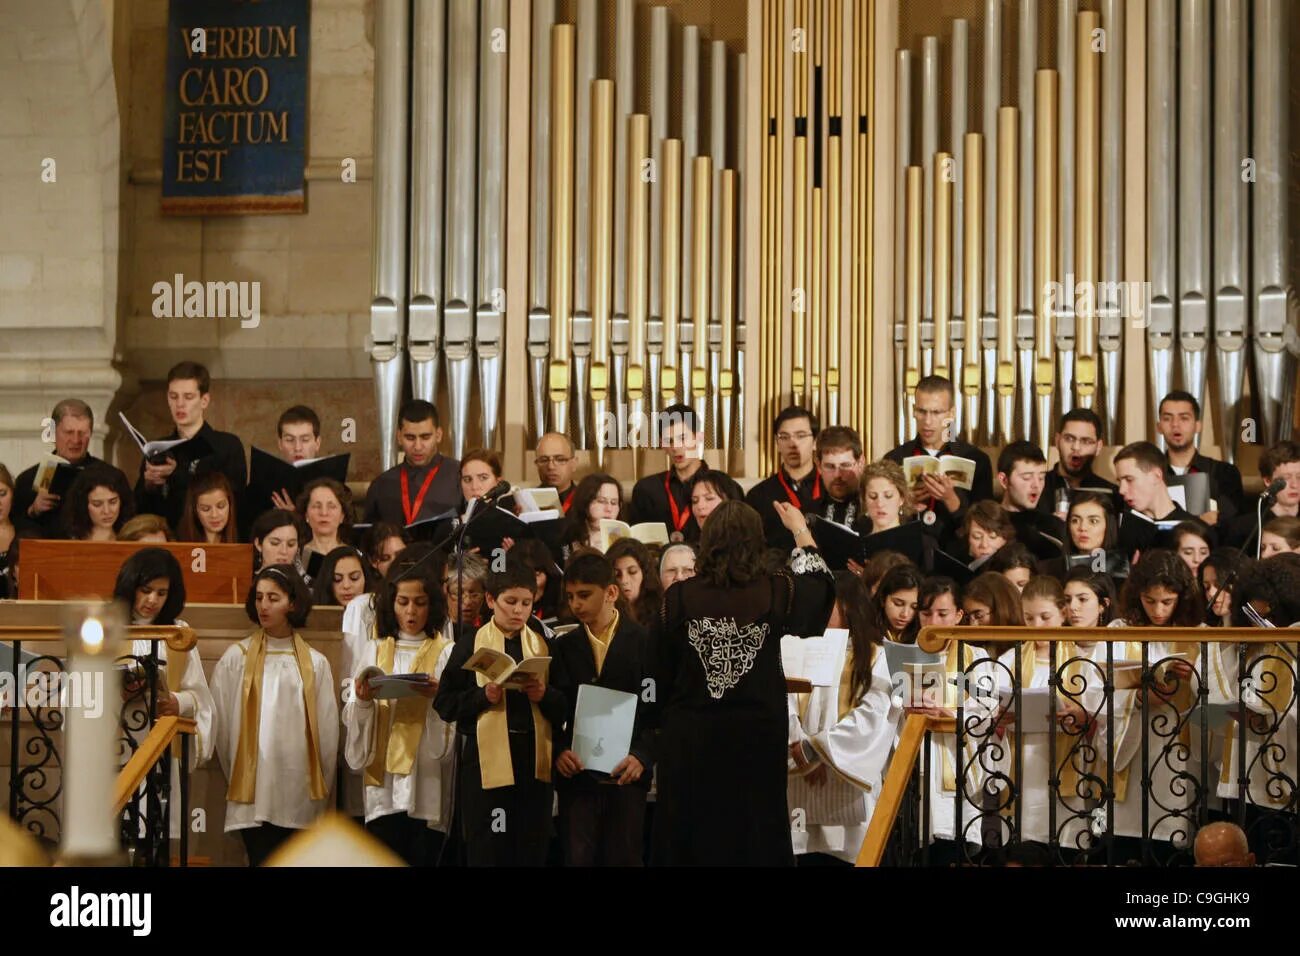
972 273
1087 142
912 281
562 80
602 226
702 230
670 235
1008 134
834 271
727 299
638 252
816 302
941 297
1046 90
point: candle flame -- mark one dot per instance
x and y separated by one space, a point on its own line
92 634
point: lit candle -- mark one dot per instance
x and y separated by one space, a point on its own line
91 690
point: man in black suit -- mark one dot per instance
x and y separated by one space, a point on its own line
1078 442
1152 513
1281 461
1180 424
161 487
797 480
601 815
666 495
74 423
933 412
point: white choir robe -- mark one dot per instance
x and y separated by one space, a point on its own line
282 796
855 749
425 793
359 631
1032 789
194 699
1270 693
943 754
1170 795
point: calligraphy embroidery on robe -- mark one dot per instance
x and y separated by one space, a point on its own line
726 651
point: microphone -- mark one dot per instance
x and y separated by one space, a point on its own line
503 488
1274 489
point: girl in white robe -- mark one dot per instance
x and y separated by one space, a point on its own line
1160 592
152 586
841 736
1043 604
404 750
280 770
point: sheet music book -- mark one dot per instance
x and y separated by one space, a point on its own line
155 451
917 675
602 727
1191 492
269 473
392 686
813 659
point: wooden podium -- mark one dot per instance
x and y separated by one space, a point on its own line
67 570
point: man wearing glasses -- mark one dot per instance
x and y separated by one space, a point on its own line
1077 441
556 464
933 411
796 481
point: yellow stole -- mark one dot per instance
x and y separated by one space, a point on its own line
1276 675
400 723
600 642
243 776
493 731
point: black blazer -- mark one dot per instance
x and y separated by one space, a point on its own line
169 501
1225 485
627 665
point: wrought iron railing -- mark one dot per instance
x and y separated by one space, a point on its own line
33 712
1148 734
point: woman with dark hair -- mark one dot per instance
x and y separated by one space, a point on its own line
596 498
1160 592
152 589
710 488
637 575
278 731
98 504
11 531
383 542
344 573
277 537
1191 540
891 610
1220 576
404 749
722 690
1091 597
210 515
840 742
1015 562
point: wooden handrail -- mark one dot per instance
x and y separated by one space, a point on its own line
178 638
149 752
935 639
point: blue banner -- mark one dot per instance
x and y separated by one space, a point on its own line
235 133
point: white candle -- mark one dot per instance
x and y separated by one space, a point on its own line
91 691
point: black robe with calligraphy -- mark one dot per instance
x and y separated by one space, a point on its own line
721 774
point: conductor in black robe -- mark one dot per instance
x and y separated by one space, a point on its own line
722 694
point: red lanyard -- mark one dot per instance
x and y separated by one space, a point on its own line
680 515
410 512
567 501
794 498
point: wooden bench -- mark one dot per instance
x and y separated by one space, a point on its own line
68 570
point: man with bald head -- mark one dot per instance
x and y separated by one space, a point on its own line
556 464
1222 844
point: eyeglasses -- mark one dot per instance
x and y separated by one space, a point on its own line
932 412
844 469
547 460
796 436
1079 441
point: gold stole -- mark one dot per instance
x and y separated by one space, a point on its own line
1269 673
1073 672
243 776
400 723
599 648
493 731
952 668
